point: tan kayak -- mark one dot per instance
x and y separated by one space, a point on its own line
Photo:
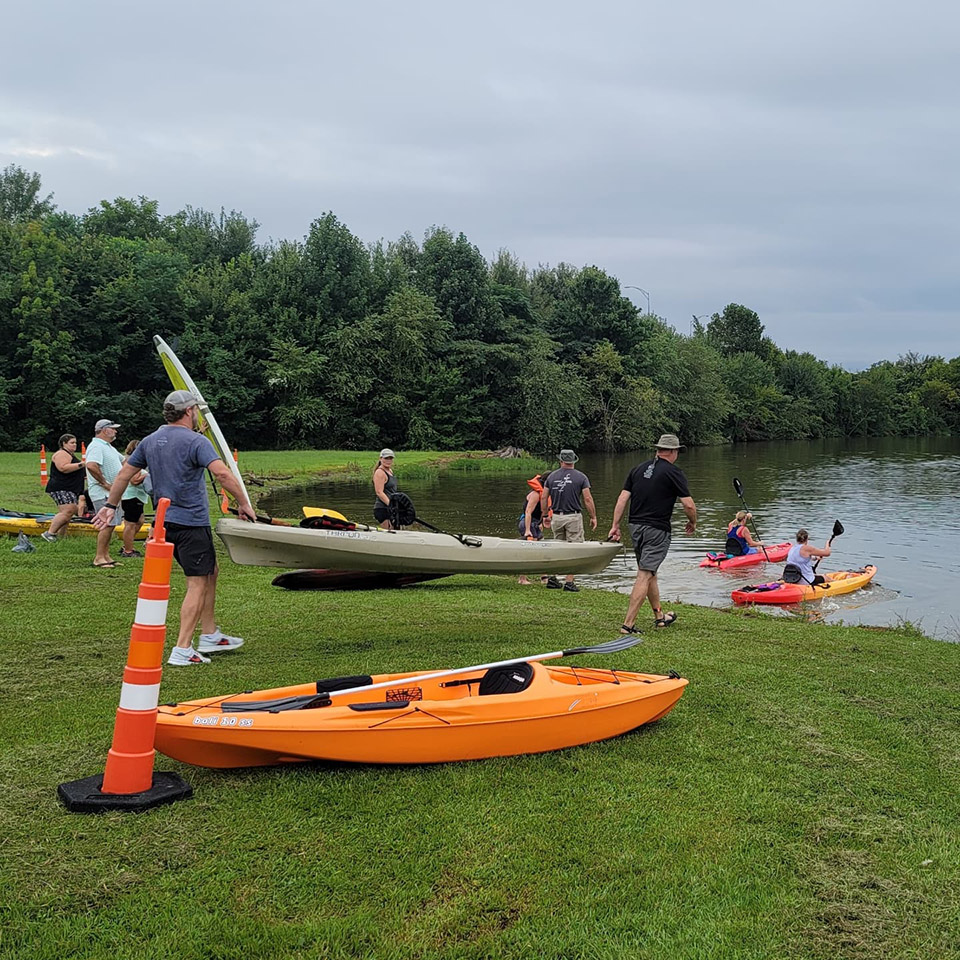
406 551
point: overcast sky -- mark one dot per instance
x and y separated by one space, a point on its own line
801 159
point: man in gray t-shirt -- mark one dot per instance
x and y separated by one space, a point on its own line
177 456
560 504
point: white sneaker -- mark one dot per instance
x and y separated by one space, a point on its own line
186 657
218 642
49 537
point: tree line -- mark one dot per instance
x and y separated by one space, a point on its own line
329 342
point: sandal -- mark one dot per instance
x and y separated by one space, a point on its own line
110 564
665 619
628 631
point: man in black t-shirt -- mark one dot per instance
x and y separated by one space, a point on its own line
565 487
652 490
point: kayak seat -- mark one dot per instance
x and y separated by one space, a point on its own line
343 683
510 679
792 574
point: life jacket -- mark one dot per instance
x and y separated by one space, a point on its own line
535 484
736 545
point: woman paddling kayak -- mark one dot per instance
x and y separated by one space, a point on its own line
800 557
740 542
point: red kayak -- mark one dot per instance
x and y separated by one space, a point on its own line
776 553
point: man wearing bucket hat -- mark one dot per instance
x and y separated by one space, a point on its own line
177 456
652 489
564 488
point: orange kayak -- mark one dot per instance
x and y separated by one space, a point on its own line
835 584
419 721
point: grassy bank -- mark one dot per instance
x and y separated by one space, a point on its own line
801 801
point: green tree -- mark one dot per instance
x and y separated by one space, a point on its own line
739 330
20 200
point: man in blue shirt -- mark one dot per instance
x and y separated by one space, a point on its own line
177 456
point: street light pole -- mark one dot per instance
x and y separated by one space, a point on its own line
697 320
644 292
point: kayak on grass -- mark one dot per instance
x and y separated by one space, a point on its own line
33 524
349 579
839 582
406 551
497 712
775 553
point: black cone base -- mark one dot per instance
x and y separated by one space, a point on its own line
85 796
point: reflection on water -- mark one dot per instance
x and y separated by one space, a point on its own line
895 497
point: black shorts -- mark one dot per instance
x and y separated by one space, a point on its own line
132 510
193 549
381 513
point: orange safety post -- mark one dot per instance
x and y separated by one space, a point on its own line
43 465
129 781
224 502
236 458
83 453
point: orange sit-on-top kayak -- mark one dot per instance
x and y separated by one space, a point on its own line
525 707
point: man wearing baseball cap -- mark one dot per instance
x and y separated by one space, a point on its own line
103 465
652 489
177 457
564 488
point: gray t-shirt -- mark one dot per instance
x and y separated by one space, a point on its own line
565 486
176 458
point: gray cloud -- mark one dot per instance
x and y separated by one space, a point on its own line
799 161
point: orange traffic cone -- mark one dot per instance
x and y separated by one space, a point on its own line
129 781
43 465
83 453
224 502
236 459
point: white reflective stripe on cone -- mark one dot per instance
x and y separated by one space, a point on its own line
140 696
151 613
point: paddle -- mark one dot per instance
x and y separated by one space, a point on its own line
738 486
837 530
322 698
404 514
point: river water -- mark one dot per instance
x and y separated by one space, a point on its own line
897 500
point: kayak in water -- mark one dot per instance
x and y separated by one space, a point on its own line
778 592
775 553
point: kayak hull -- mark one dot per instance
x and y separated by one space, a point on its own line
405 551
349 579
776 553
34 526
778 592
562 707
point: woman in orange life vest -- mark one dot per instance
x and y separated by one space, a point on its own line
530 523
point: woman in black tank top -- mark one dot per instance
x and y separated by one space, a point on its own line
384 486
65 486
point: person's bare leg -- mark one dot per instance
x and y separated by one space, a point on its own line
103 545
637 595
191 609
208 620
64 515
653 594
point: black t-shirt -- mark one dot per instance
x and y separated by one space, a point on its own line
654 487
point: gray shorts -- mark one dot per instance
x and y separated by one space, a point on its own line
98 505
567 526
650 544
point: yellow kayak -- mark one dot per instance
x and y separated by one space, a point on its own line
34 525
839 582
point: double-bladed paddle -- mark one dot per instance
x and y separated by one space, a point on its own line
738 486
322 698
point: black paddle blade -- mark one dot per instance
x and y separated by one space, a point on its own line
837 528
738 486
612 646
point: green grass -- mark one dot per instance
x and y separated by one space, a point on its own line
801 800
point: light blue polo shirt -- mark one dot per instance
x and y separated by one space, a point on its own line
110 461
